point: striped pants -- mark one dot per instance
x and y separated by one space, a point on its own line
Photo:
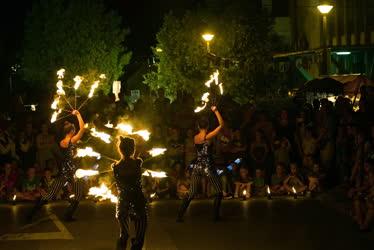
59 183
140 225
197 175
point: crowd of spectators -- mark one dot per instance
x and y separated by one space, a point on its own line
304 152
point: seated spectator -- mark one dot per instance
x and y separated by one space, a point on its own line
30 189
294 180
8 181
46 181
315 178
258 184
183 184
283 151
277 187
243 183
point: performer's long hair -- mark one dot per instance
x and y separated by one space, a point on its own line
69 129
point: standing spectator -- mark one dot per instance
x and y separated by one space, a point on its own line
243 183
30 189
277 186
309 148
294 180
44 143
342 154
283 152
8 181
7 146
259 151
284 127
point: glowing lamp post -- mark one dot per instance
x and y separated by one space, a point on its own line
207 38
324 9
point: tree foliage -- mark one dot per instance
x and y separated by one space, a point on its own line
78 35
241 37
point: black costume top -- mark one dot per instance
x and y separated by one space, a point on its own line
68 167
204 156
131 200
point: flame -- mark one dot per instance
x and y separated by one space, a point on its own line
93 87
103 136
221 88
153 195
60 73
33 107
80 173
103 193
109 125
127 128
268 190
205 96
156 151
143 133
54 115
155 174
78 80
71 196
14 197
88 151
198 109
294 190
244 192
102 76
60 89
213 77
55 103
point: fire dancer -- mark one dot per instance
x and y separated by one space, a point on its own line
131 204
66 175
204 166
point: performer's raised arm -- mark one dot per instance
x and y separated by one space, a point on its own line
221 123
80 133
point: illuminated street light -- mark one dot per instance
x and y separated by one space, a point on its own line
207 38
325 9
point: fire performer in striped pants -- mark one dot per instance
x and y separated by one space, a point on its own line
67 171
131 206
204 166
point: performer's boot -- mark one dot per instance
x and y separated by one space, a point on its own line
217 206
70 211
185 203
37 206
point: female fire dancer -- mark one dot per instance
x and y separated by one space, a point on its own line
131 201
67 171
204 166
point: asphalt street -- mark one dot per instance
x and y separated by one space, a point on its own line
260 224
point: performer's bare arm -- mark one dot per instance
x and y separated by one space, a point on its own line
80 133
215 132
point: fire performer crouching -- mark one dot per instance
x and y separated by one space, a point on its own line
67 171
131 204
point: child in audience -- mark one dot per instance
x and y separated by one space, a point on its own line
259 183
277 180
46 181
243 183
315 178
294 180
30 186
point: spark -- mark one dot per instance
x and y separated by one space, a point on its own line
88 151
155 174
14 197
78 80
103 193
294 190
80 173
268 190
156 151
93 87
103 136
60 73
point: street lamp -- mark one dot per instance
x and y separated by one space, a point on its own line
324 9
207 38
